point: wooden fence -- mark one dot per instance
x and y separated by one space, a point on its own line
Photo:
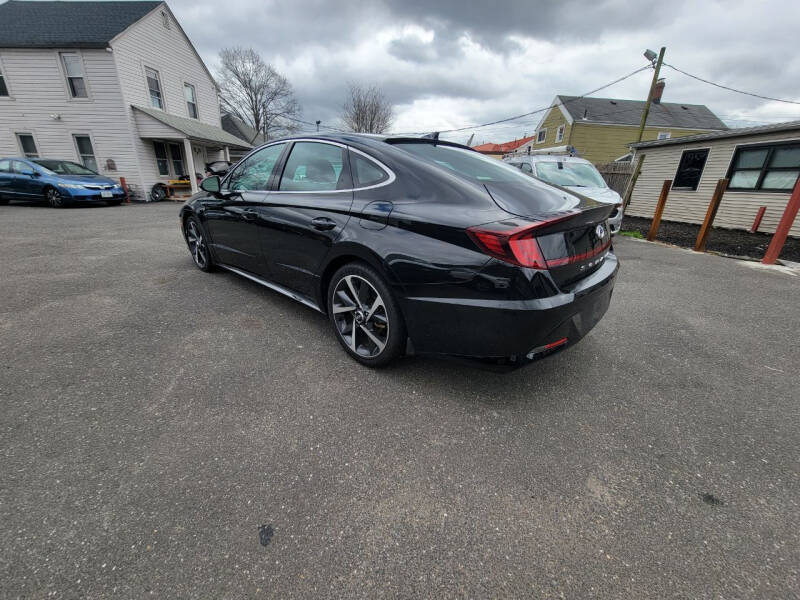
616 175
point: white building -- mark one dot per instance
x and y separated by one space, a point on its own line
117 86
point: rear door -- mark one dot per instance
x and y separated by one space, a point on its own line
306 212
6 180
232 216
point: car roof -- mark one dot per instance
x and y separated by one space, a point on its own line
549 158
369 139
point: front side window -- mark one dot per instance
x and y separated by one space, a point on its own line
690 169
28 145
191 100
73 69
569 174
154 88
22 168
176 156
254 172
526 168
86 152
560 133
541 136
365 172
3 86
774 168
314 167
162 162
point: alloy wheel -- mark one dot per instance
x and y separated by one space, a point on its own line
360 316
54 198
197 244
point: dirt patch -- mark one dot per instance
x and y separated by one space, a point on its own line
727 241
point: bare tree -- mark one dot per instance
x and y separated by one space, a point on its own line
253 91
367 110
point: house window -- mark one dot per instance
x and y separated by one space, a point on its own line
177 160
154 88
541 136
28 145
690 169
774 167
3 87
83 143
191 100
161 158
560 133
73 69
664 135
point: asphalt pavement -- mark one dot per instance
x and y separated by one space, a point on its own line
168 433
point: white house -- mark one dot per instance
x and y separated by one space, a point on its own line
117 86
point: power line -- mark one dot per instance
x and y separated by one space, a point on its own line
538 110
730 89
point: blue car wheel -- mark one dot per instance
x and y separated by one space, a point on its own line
54 198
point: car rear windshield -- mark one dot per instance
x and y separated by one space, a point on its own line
567 174
64 167
466 163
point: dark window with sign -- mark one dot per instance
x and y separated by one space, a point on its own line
161 158
690 169
773 168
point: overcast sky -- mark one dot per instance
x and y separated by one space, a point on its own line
452 63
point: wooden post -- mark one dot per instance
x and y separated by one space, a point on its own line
124 185
759 216
662 201
700 244
634 176
779 238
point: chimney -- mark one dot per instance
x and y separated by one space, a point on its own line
658 90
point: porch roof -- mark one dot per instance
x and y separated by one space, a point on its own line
190 128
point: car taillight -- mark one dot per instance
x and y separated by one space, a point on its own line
516 245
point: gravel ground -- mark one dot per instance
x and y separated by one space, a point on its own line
727 241
168 433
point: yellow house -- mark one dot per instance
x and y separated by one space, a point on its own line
601 129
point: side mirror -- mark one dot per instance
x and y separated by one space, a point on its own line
35 174
211 184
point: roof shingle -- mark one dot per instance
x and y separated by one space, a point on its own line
58 24
629 112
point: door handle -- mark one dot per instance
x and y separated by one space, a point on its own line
323 223
249 215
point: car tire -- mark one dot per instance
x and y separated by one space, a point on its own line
365 316
197 241
54 198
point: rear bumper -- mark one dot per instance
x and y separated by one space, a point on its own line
516 331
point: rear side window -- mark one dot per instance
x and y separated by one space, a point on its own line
5 166
254 172
526 168
315 167
365 172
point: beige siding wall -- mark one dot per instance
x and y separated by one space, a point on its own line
168 51
602 144
38 90
737 210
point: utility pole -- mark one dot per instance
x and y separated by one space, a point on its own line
626 199
646 110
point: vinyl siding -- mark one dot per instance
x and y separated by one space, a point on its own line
602 144
168 51
39 90
737 210
553 120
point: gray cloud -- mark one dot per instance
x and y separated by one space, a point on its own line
450 63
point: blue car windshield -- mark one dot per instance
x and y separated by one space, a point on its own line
63 167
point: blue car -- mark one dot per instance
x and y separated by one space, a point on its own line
57 182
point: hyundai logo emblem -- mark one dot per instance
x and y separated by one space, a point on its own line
600 231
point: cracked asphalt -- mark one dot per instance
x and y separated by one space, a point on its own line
173 434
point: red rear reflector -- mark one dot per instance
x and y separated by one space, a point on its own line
555 344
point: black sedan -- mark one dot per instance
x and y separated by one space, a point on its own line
410 245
